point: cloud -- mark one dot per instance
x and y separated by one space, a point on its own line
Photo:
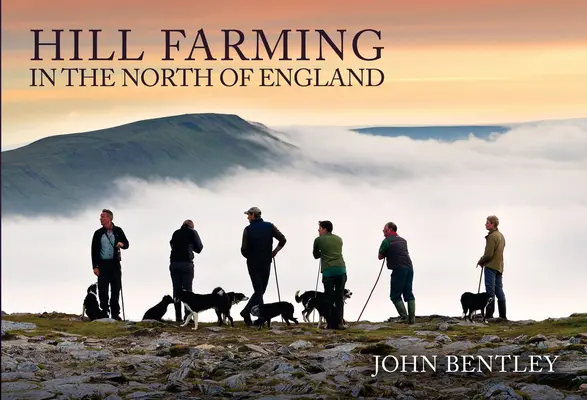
438 193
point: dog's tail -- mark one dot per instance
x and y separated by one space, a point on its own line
219 291
297 297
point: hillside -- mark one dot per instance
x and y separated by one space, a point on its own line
58 356
63 173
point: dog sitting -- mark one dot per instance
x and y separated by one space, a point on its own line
195 303
472 302
91 305
265 312
233 298
320 301
158 311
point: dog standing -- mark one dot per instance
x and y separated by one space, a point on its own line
321 305
233 299
158 311
91 306
265 312
318 303
195 303
472 302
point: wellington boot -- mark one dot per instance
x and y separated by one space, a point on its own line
411 312
501 310
401 310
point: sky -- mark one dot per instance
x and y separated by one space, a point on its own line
449 62
439 194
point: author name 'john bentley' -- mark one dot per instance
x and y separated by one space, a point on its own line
464 363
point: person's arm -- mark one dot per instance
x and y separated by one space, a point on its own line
95 250
198 246
316 250
383 249
244 245
280 237
122 238
489 251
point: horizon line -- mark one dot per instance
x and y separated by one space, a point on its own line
349 127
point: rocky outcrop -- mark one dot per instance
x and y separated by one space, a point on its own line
150 361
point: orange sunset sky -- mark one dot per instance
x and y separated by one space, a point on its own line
445 62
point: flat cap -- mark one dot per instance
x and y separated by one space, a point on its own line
253 210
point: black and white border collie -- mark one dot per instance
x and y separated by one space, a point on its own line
472 302
266 311
233 299
91 306
318 303
195 303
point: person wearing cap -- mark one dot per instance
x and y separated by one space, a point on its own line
328 248
257 248
184 242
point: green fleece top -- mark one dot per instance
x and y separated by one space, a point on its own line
328 248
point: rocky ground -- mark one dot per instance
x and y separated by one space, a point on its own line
57 356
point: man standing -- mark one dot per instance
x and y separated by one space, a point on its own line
328 248
395 249
492 260
257 248
106 244
184 242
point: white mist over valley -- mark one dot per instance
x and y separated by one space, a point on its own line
438 193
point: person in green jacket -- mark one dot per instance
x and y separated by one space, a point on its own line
328 248
492 260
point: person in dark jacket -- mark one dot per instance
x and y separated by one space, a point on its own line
257 248
106 245
184 242
395 250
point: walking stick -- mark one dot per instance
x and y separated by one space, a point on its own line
316 291
277 281
480 276
479 288
122 297
381 270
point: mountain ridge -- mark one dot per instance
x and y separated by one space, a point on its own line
67 171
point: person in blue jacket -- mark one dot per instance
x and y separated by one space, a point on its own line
257 248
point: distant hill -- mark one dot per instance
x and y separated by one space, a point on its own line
62 173
442 133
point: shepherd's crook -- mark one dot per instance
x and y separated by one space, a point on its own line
277 281
480 276
479 288
316 291
122 297
383 263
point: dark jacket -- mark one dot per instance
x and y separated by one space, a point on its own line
184 242
395 249
257 244
119 236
